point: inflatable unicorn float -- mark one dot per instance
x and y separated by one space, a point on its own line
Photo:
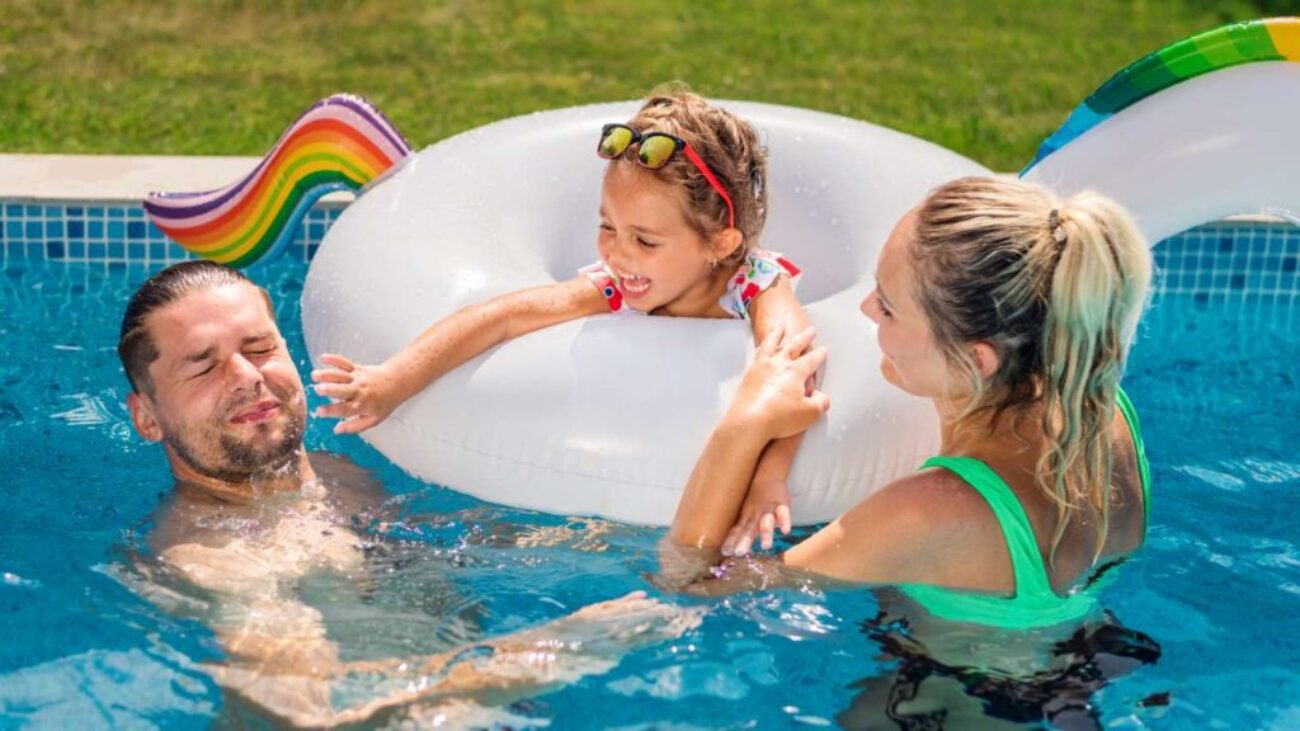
1201 129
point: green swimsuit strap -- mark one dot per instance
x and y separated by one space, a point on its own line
1026 559
1033 604
1144 469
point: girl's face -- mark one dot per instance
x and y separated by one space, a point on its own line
910 359
657 257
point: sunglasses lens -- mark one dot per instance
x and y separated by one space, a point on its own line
656 150
614 143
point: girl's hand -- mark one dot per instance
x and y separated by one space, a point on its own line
766 507
360 395
775 397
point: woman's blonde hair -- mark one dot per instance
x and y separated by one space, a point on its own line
728 145
1056 288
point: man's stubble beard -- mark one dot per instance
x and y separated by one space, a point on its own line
243 460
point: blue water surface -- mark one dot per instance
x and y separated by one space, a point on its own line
1218 586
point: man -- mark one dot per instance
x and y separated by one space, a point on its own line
253 512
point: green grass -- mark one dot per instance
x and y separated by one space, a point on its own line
988 78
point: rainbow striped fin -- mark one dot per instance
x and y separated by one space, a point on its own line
1276 39
340 143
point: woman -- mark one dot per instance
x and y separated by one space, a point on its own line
1013 312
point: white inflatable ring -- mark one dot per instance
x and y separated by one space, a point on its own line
607 415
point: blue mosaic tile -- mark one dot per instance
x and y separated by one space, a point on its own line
1222 260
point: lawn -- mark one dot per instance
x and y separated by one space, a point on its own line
987 78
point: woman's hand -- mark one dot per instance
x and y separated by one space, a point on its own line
776 396
766 507
361 395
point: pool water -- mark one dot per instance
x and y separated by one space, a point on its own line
1217 588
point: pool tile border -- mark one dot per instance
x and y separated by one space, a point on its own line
1217 261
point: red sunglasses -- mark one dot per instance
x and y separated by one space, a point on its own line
653 151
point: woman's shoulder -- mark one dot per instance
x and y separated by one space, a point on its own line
929 527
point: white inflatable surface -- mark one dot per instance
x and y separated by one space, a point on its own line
606 416
1216 145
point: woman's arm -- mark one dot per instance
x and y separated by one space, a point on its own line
925 528
772 403
365 395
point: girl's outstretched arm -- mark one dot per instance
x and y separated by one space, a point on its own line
767 504
365 395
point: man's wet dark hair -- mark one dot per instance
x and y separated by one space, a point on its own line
135 345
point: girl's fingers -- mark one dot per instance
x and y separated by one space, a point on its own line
340 391
340 410
330 375
783 518
729 543
355 424
745 540
329 411
338 361
766 525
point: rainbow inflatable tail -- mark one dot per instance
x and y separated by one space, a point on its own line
1199 130
1275 39
340 143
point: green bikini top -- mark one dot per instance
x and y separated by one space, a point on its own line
1033 604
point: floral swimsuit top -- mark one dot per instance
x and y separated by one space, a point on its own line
757 273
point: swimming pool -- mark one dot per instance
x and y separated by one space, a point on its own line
1213 376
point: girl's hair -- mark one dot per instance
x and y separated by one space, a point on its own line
728 145
1056 288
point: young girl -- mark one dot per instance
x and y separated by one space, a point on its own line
682 206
